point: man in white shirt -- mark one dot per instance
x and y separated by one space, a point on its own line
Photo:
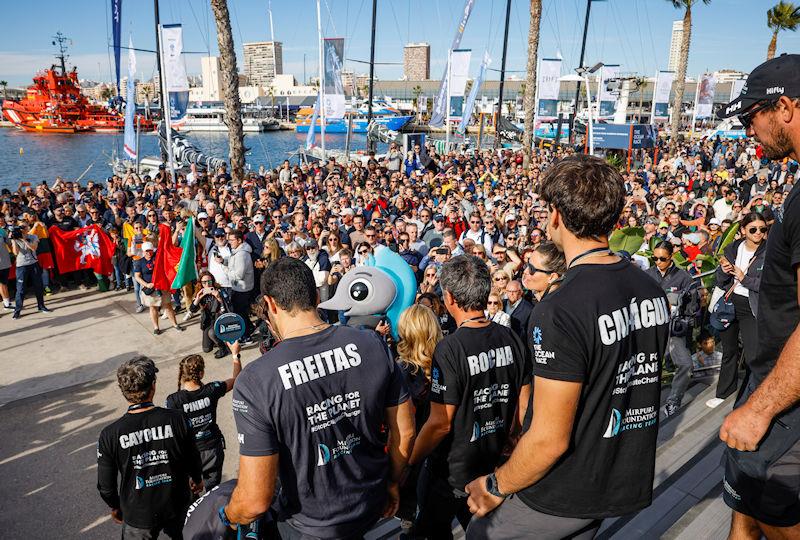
724 205
476 233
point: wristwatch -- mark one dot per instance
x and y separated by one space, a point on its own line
237 357
491 486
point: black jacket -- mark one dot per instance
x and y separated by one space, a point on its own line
154 454
752 277
519 318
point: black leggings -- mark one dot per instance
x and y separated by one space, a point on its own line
745 324
210 339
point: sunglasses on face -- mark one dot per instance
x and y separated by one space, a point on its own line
662 259
207 281
493 303
746 118
754 230
363 252
533 270
500 278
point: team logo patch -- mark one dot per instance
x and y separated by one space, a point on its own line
537 335
614 423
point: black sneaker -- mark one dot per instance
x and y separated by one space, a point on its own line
670 408
221 352
179 328
157 332
45 310
16 315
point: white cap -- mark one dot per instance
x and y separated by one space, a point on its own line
148 246
202 215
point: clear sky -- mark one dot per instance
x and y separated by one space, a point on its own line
634 33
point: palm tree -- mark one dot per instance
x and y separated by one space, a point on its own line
530 80
783 16
230 88
680 78
4 84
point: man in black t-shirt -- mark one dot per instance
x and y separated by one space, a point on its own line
152 451
589 450
762 469
480 383
312 411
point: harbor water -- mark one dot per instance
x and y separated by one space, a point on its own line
34 157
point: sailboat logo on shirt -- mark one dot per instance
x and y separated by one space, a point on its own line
324 455
614 424
476 432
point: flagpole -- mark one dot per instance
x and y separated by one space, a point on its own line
167 116
321 84
447 103
653 104
694 112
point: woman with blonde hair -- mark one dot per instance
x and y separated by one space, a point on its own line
198 401
419 332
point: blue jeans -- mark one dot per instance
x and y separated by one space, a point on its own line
32 274
119 276
137 292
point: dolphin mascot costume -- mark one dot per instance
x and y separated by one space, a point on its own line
385 287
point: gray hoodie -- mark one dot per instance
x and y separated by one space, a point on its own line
239 268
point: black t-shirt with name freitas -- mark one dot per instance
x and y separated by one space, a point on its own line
605 327
319 402
480 370
200 406
154 454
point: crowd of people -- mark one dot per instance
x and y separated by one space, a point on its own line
515 276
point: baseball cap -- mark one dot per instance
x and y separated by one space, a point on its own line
510 217
258 218
202 215
663 225
715 221
694 238
148 246
438 217
771 80
219 232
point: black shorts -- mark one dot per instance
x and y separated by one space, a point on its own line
765 484
4 276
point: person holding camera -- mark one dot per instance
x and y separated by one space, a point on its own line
151 297
23 246
680 291
212 302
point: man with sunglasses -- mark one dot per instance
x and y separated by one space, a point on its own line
762 471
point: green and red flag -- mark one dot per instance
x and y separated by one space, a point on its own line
187 269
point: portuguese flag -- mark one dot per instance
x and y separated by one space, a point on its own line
186 271
175 265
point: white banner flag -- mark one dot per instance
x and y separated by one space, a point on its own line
130 104
333 49
606 100
661 93
171 49
459 71
547 88
705 96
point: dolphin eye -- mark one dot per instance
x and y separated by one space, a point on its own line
360 290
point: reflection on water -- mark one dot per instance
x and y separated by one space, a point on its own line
47 155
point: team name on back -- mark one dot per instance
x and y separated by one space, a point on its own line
145 435
319 365
197 405
493 358
617 325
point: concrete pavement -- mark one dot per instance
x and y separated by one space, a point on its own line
58 390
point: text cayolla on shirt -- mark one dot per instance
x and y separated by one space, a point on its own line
200 407
606 326
319 401
481 370
156 455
